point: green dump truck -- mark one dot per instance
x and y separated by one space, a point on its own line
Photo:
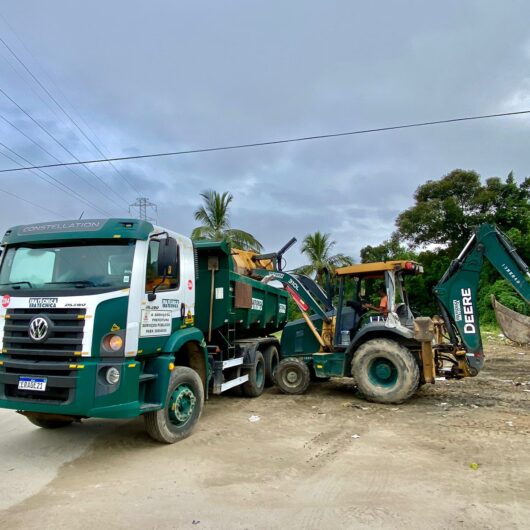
119 318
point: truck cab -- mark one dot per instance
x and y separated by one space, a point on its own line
117 318
89 315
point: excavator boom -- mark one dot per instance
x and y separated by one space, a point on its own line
456 292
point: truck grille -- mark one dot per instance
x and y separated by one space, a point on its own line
65 339
50 358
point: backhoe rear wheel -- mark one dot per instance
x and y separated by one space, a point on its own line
385 371
182 409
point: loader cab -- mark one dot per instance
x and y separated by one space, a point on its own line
361 291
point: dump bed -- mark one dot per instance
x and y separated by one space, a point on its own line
253 307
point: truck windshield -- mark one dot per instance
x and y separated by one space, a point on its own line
68 266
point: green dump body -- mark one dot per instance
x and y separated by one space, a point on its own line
252 307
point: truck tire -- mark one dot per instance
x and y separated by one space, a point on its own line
182 409
272 358
292 376
48 423
385 371
256 377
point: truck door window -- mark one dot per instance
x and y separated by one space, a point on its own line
168 283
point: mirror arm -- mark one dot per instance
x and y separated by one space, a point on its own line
152 295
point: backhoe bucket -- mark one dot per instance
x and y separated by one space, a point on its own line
515 326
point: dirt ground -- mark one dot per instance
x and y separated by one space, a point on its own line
456 456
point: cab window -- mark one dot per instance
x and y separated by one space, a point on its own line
170 282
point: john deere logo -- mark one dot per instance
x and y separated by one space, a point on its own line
38 329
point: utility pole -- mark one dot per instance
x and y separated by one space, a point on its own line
143 204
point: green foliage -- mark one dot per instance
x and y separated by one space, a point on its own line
216 222
388 250
318 248
444 215
505 294
446 210
293 313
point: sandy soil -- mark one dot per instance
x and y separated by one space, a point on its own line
456 456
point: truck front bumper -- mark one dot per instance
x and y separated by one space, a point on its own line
73 389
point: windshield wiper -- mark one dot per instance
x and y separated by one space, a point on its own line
80 283
16 285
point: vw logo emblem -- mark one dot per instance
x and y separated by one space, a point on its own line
38 329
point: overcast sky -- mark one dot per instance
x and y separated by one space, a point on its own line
141 77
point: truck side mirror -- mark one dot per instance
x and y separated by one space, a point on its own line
167 256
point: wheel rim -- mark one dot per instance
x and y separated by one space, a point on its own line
260 374
291 377
383 372
181 405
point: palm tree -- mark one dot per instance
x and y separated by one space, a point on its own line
216 223
317 247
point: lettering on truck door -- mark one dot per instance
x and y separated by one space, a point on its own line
173 306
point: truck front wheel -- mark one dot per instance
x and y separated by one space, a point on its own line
385 371
182 410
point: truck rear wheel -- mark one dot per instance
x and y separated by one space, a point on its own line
292 376
385 371
256 377
272 358
182 409
40 420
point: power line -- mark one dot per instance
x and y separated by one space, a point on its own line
59 185
30 202
41 85
51 156
271 142
2 91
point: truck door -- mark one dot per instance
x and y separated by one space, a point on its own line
168 303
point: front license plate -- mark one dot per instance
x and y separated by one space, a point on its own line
32 383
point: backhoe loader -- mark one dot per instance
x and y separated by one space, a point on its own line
391 354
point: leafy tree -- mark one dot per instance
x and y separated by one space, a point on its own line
388 250
216 222
446 210
318 248
444 214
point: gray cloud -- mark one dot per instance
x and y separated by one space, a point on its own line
161 75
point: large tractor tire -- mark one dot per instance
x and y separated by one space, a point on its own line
41 420
385 371
272 358
182 410
292 376
256 377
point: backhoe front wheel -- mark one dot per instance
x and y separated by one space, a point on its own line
385 371
182 410
292 376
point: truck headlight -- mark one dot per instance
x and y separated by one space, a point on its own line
112 375
113 343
